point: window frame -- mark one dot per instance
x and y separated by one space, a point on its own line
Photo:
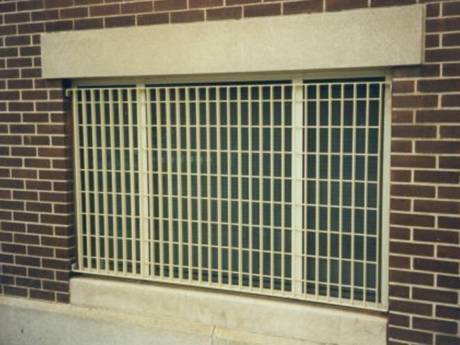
295 78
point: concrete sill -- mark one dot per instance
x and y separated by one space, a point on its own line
240 317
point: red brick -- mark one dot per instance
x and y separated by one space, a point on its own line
403 86
262 10
337 5
443 54
27 282
402 116
452 39
15 291
451 69
401 146
7 7
381 3
402 161
436 265
153 18
450 252
439 326
434 206
400 204
56 264
399 262
398 291
448 312
411 248
119 21
451 8
62 25
187 16
17 17
305 6
442 24
44 295
63 297
448 282
205 3
168 5
27 261
86 24
438 85
437 146
45 15
137 7
55 286
451 100
224 13
436 176
76 12
412 190
400 175
449 222
440 236
417 308
434 295
412 131
447 340
425 101
432 41
57 3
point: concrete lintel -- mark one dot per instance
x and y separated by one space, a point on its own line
348 39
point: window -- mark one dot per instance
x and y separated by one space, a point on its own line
272 188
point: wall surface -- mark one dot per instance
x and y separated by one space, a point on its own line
36 220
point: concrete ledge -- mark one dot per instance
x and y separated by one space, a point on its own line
282 320
25 322
348 39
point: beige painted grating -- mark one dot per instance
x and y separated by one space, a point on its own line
269 188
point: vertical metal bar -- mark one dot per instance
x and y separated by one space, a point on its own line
208 182
272 189
318 190
282 204
261 190
145 186
305 179
229 189
199 195
104 178
353 196
160 180
366 183
219 187
86 173
131 181
383 178
251 217
149 174
170 184
297 173
122 179
179 184
329 193
114 181
77 176
95 180
341 124
240 186
189 182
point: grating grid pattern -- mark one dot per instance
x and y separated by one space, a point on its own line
270 188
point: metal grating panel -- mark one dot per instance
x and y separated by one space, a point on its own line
269 188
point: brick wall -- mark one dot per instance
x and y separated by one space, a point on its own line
36 220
